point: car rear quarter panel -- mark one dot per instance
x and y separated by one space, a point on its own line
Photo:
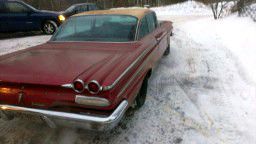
131 83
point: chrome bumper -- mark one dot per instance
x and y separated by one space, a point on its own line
53 118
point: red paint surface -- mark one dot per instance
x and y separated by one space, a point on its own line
39 72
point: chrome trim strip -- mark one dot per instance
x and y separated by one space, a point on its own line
137 72
67 86
161 37
83 121
130 80
91 101
136 37
91 42
105 88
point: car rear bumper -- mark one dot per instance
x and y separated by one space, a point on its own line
90 122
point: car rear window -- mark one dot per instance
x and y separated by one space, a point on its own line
106 28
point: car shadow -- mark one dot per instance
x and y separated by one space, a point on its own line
19 34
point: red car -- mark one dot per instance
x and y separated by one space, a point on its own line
93 69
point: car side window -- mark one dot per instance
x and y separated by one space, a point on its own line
155 19
14 7
84 8
92 7
78 9
144 28
151 22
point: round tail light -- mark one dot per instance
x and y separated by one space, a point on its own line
78 86
94 87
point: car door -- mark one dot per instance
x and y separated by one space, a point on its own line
18 18
159 33
147 37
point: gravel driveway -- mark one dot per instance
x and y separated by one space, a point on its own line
192 98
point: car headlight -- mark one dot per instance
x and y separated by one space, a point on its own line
61 18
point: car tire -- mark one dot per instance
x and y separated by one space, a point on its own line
141 97
49 27
167 51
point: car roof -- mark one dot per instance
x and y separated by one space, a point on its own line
136 12
10 1
78 4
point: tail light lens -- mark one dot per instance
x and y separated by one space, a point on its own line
78 86
94 87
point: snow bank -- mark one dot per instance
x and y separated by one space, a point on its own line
235 33
15 44
185 8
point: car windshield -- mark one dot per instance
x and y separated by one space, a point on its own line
106 28
70 8
31 7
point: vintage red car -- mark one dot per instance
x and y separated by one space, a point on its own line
93 69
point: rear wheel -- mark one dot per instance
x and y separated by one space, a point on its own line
49 27
167 51
141 97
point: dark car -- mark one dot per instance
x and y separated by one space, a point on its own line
16 16
78 8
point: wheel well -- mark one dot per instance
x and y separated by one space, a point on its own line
43 22
149 73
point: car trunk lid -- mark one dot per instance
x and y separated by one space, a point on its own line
56 63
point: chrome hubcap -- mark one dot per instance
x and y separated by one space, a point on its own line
48 28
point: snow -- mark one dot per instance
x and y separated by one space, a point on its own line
236 34
185 8
203 92
11 45
253 6
229 45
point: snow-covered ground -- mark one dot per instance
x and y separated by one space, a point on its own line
227 58
236 34
185 8
253 6
11 45
203 92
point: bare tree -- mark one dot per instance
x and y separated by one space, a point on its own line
218 6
